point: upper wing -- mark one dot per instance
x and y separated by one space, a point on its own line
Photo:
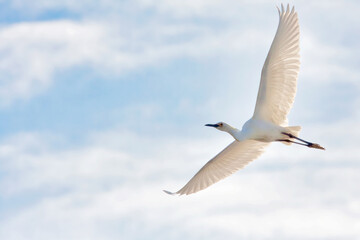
279 74
232 158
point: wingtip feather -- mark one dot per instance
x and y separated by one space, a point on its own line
170 193
285 10
278 10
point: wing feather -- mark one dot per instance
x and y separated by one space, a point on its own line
231 159
280 71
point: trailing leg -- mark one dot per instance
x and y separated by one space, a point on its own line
305 143
289 141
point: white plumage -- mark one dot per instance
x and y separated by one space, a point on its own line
275 98
280 71
232 158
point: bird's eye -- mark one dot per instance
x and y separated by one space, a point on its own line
221 124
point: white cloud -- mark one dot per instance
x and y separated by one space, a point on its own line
176 8
31 53
111 186
325 62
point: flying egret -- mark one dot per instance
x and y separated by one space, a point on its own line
269 122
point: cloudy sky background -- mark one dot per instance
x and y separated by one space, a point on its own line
102 105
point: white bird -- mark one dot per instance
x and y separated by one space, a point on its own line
269 123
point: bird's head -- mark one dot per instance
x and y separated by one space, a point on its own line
220 126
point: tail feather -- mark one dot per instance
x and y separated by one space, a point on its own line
293 130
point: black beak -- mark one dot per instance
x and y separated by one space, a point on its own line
212 125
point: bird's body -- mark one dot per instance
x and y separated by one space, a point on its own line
269 123
257 129
260 130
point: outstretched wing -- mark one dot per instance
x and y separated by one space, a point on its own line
232 158
279 74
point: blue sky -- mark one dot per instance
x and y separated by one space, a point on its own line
102 105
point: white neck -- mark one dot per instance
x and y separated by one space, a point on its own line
236 133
